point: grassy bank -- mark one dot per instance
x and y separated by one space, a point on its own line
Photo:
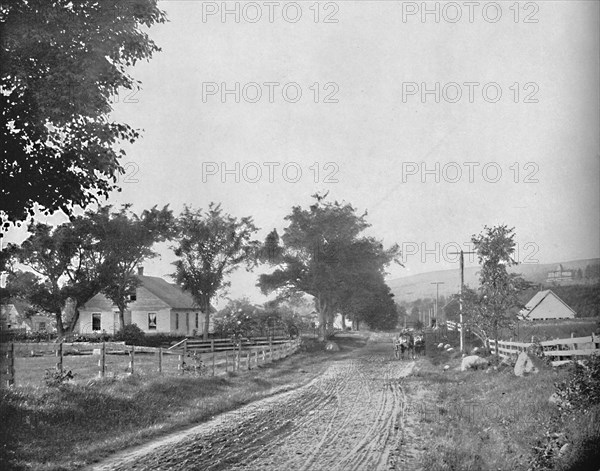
63 428
478 420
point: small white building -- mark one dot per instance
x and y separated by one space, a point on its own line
546 305
157 307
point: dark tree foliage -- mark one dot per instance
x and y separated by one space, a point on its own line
95 252
210 246
129 240
62 61
323 254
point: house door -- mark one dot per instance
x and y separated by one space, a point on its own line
116 322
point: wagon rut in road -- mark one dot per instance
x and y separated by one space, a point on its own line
349 418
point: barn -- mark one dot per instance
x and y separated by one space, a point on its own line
546 305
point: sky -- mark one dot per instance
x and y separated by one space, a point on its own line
436 124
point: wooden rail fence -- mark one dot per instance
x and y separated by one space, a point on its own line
560 350
206 358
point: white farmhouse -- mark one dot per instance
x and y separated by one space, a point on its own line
157 307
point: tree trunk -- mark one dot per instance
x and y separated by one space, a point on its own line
59 325
206 319
496 342
322 324
343 321
122 318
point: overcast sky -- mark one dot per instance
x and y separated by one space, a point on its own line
529 158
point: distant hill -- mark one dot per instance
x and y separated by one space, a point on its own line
413 287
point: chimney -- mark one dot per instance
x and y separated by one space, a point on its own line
141 271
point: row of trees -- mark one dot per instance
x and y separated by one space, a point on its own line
322 253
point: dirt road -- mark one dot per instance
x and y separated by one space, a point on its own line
352 417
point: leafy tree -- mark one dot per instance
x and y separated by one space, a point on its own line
323 255
62 61
48 252
129 240
76 260
210 246
496 303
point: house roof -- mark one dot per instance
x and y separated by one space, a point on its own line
537 300
170 293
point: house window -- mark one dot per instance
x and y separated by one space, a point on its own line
96 321
187 321
197 325
133 297
42 326
151 321
176 321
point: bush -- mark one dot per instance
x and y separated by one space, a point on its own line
572 434
54 378
582 389
130 334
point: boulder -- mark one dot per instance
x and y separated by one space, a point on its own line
447 346
451 349
525 365
332 346
446 367
473 362
475 350
440 345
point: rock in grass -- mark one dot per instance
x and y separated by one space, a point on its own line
473 362
446 367
525 365
332 346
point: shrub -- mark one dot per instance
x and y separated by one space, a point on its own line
54 378
578 415
582 389
131 334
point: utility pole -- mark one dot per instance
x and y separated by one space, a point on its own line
437 297
460 298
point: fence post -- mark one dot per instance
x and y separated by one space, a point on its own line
160 354
102 361
182 357
248 360
213 359
59 354
256 357
226 361
10 370
212 345
132 359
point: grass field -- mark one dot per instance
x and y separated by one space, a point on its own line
549 330
30 371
